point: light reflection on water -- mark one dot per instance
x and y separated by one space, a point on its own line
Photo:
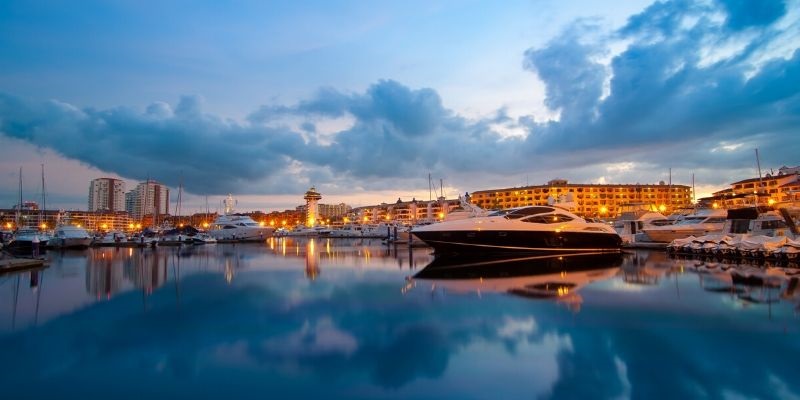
356 319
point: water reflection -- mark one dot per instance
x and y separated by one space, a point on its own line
540 277
311 318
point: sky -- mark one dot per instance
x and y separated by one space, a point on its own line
364 100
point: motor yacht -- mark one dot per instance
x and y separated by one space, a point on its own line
301 230
22 242
70 236
637 216
702 222
238 227
532 229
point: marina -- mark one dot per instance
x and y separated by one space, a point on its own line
400 200
354 318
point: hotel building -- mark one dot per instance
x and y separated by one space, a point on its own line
590 199
780 188
107 194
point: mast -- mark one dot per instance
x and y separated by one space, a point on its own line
430 187
694 194
669 190
19 204
760 183
44 203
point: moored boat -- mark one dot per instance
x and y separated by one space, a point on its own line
533 229
70 236
702 222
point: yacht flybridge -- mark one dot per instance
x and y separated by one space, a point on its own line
533 229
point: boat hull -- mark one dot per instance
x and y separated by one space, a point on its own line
668 235
70 243
513 242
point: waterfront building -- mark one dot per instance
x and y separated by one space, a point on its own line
590 199
107 194
278 219
409 212
94 221
332 211
312 197
149 199
771 189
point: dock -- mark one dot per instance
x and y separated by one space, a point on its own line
645 245
21 264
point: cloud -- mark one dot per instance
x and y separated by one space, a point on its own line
665 104
656 92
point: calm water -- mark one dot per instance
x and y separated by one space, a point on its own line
355 319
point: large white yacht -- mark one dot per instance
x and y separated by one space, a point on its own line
702 222
70 236
533 229
231 226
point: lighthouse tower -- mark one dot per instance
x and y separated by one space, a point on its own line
312 197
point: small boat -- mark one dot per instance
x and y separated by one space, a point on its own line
532 229
111 238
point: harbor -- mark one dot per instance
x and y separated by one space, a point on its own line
400 200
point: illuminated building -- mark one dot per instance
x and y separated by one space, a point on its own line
590 199
312 197
771 189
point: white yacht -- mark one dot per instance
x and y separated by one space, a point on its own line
533 229
70 236
231 226
702 222
238 227
301 230
379 230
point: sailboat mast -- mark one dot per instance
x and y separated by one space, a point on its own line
760 183
669 189
44 201
19 204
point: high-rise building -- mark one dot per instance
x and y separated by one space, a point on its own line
107 194
150 198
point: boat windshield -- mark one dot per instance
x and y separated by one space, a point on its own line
517 213
690 220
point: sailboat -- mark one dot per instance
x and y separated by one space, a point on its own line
26 237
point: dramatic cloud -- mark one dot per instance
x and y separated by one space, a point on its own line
695 86
662 93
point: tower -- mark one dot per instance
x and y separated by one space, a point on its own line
312 197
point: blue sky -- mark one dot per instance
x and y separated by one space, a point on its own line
364 99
